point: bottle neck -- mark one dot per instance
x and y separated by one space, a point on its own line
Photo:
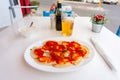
59 3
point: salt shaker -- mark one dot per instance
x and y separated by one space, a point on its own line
53 21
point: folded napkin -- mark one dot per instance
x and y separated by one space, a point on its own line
101 52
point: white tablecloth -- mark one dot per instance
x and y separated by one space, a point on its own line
13 45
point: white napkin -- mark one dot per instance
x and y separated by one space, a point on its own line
101 52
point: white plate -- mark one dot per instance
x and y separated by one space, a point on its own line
47 68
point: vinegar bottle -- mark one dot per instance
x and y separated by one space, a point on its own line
58 16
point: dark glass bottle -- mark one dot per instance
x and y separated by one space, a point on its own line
58 16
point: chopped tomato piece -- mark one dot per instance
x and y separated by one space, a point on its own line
82 52
57 56
45 59
45 47
60 48
38 52
78 49
75 44
71 48
51 43
75 56
65 43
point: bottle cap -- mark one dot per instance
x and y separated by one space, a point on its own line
59 1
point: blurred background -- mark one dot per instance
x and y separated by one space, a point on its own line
11 11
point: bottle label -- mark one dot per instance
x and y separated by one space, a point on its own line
58 23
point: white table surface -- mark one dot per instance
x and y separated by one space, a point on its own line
12 47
